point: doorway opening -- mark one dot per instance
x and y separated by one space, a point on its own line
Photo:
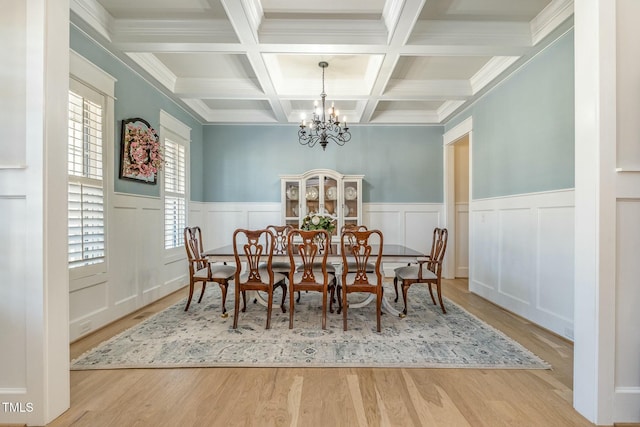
457 199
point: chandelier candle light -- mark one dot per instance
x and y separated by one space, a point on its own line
320 129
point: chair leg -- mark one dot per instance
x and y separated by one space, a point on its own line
344 309
291 309
332 291
439 289
405 289
324 309
191 284
378 309
244 301
339 292
395 287
431 293
236 307
283 285
223 289
269 306
299 295
204 286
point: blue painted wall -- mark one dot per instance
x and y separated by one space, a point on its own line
523 140
135 97
523 130
401 164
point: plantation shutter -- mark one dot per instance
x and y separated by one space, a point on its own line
175 205
86 226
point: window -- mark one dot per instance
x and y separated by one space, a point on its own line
86 219
175 195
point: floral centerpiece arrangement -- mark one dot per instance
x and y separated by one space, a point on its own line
144 154
319 221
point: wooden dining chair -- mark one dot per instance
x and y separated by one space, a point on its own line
324 247
201 270
357 249
428 270
252 248
304 250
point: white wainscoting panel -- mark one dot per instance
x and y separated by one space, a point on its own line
223 218
521 256
516 255
627 400
139 269
483 251
555 263
13 291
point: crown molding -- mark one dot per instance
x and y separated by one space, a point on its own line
447 108
490 71
95 16
550 18
151 64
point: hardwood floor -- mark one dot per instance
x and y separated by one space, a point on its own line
332 396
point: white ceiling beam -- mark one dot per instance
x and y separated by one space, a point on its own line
315 31
471 33
433 89
207 88
405 21
243 23
406 117
173 31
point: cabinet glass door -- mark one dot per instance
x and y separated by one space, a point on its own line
312 195
351 201
330 192
292 204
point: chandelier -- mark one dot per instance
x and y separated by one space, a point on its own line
322 129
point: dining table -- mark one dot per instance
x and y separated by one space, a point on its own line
391 253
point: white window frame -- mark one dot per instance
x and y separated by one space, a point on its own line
82 71
176 131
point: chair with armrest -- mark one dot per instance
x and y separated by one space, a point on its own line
252 248
428 270
357 249
313 275
201 270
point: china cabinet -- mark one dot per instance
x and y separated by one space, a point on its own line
322 191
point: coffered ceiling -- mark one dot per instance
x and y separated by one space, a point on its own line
256 61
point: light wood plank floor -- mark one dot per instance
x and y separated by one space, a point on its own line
331 396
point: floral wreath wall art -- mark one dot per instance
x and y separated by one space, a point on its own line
141 154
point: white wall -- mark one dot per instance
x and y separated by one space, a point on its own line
34 373
607 80
627 207
521 256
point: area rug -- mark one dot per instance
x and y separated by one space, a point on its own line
426 338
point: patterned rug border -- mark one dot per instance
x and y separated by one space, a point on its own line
537 363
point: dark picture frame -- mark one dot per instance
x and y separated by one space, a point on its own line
127 156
